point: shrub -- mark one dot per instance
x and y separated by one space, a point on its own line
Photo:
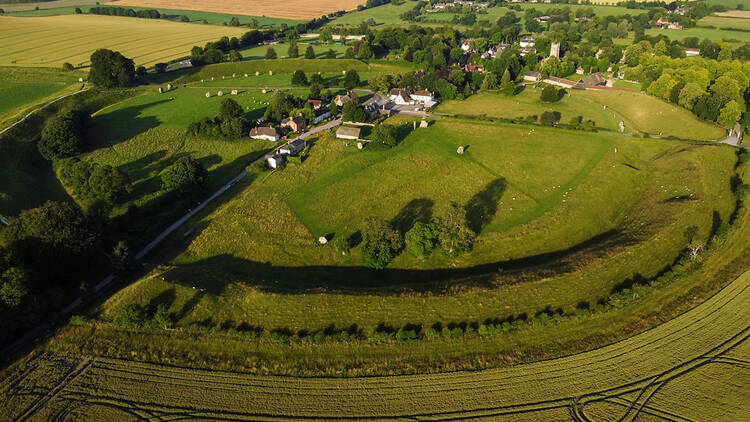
78 321
184 175
162 318
309 52
123 260
421 239
299 78
549 118
131 316
271 53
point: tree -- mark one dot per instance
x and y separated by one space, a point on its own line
230 109
309 52
689 95
160 67
62 135
123 260
184 175
384 134
13 287
293 51
550 94
349 53
131 316
380 243
111 69
184 18
489 82
353 112
316 79
507 86
58 225
271 53
421 239
299 78
454 235
730 114
68 67
351 79
549 118
234 21
330 54
235 56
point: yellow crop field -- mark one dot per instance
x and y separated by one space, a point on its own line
53 40
694 367
292 9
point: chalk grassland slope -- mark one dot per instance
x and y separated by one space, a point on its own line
527 103
193 15
693 367
252 262
653 116
51 41
22 88
292 9
387 14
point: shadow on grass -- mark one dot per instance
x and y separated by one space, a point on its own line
482 207
120 125
417 210
215 273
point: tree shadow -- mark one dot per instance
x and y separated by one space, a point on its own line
120 125
166 298
482 207
417 210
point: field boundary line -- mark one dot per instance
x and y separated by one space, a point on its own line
70 377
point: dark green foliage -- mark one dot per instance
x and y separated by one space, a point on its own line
330 54
234 21
235 56
550 94
185 175
507 86
131 316
123 260
230 109
160 67
60 225
184 18
353 112
62 136
549 118
141 71
309 52
280 106
421 239
351 79
92 182
111 69
384 134
121 11
67 66
455 236
293 51
299 78
380 243
341 243
162 318
271 54
13 287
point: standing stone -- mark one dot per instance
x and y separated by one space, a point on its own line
360 146
622 126
270 72
169 87
246 75
460 150
234 92
80 79
208 95
161 90
322 240
212 78
423 124
220 93
257 73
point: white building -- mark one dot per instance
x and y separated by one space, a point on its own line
528 42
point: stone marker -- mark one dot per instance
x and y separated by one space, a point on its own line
208 95
322 240
257 73
246 75
234 92
423 124
360 146
270 72
80 79
169 87
161 90
220 93
460 150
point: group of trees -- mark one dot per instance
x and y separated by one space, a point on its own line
110 69
185 176
121 11
381 242
92 183
230 122
713 89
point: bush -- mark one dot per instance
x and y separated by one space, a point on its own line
123 260
550 94
162 318
160 67
421 239
68 67
271 53
62 135
299 78
549 118
131 316
309 52
341 244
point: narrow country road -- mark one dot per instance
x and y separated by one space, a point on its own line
37 109
73 306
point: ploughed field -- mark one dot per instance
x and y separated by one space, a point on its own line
72 39
693 367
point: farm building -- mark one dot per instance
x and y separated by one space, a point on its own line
400 96
532 76
692 52
563 83
348 132
293 148
594 79
340 100
321 114
473 68
296 124
276 161
528 42
264 132
422 96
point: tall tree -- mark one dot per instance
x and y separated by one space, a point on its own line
111 69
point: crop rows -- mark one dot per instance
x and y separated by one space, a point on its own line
293 9
629 380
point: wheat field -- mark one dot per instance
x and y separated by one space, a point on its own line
51 41
292 9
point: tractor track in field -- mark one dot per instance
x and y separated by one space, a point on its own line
703 335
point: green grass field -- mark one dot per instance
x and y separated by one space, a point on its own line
282 49
385 15
15 95
194 16
653 116
527 103
15 7
72 38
